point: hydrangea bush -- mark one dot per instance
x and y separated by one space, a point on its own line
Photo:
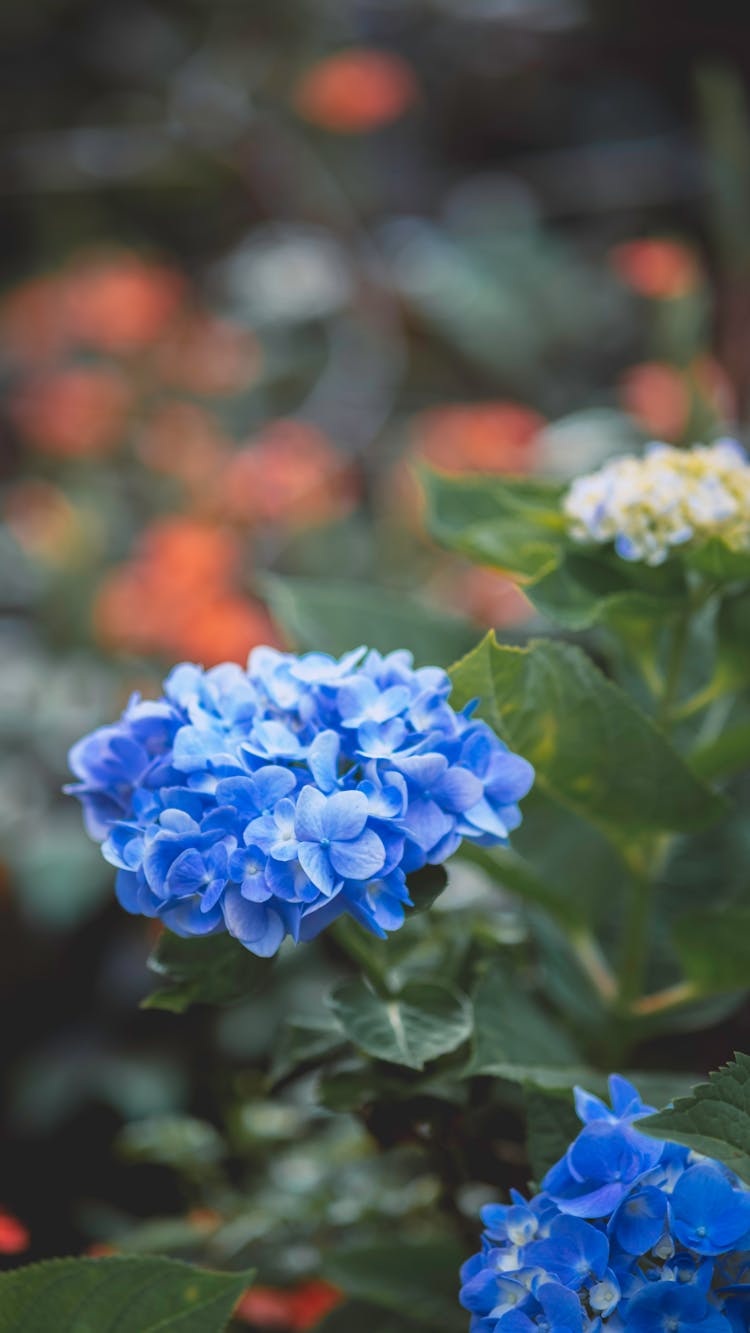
266 802
626 1232
249 806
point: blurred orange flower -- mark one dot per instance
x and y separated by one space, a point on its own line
356 90
14 1236
478 437
658 397
209 356
290 474
183 441
121 302
659 269
75 413
296 1309
176 597
42 520
715 387
32 321
490 598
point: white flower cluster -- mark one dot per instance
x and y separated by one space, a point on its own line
667 498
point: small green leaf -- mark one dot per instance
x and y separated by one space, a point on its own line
513 523
714 1120
511 1029
551 1126
426 885
510 870
117 1295
181 1142
593 749
420 1278
216 969
333 617
304 1041
425 1020
714 948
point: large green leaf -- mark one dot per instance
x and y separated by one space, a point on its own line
302 1041
714 948
216 969
714 1120
425 1020
592 748
586 590
333 617
513 523
418 1278
551 1126
511 1029
117 1295
719 562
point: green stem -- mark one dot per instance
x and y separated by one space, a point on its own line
635 940
674 669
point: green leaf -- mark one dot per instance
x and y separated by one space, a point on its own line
729 753
426 885
583 591
593 749
303 1041
216 969
510 870
117 1295
333 617
714 948
420 1278
714 1120
511 1029
551 1126
719 562
513 523
181 1142
425 1020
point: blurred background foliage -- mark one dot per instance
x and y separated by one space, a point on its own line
258 261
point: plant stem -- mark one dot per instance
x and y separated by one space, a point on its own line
635 940
669 998
674 669
586 949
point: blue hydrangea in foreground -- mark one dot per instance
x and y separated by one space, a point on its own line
266 802
627 1233
668 498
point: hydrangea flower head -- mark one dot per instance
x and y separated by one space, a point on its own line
627 1234
268 801
668 498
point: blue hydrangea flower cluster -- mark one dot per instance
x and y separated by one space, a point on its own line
268 801
627 1233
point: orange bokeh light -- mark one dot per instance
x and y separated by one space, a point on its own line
210 356
14 1236
121 302
290 474
297 1309
659 269
79 412
658 397
478 437
356 90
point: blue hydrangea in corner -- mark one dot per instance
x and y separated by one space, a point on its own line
626 1234
268 801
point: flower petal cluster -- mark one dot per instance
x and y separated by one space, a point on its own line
627 1234
268 801
668 498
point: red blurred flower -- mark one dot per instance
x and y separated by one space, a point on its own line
356 90
658 396
75 413
121 302
296 1309
478 437
659 269
176 597
290 474
209 356
14 1236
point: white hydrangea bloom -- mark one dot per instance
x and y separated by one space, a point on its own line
669 497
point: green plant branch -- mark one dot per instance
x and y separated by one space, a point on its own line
660 1001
